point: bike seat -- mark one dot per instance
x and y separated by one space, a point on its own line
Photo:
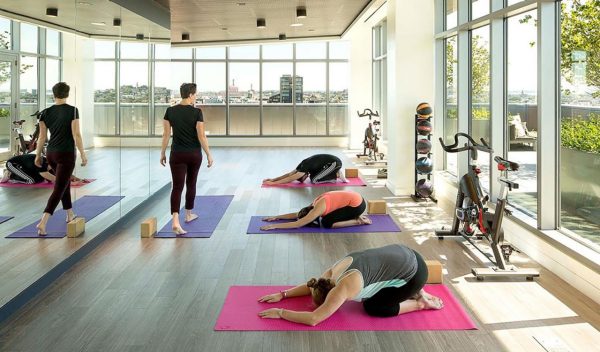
504 164
20 122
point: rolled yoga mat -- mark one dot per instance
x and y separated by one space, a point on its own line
4 219
87 207
356 181
241 308
381 223
42 184
210 210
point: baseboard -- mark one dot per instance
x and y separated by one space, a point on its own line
47 279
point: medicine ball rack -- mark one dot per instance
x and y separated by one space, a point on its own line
416 196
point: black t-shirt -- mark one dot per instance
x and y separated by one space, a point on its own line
315 164
58 119
183 119
26 163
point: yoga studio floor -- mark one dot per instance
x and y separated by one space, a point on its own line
134 294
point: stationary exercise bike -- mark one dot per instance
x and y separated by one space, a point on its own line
371 136
473 220
27 146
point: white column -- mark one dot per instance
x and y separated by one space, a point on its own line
410 54
78 72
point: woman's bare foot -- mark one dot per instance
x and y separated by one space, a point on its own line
71 216
430 302
190 217
41 230
179 231
364 220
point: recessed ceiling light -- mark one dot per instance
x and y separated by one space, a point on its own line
84 3
99 23
52 12
301 12
261 23
296 24
223 28
311 30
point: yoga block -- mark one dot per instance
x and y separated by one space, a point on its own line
435 272
148 228
376 207
351 173
76 227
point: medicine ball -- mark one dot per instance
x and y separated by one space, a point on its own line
423 146
424 188
424 127
424 165
424 110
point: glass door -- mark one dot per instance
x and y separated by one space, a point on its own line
8 113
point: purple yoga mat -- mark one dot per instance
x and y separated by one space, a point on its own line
381 223
4 219
87 207
241 308
210 210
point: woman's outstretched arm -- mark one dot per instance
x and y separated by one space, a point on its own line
300 290
204 142
319 208
165 142
285 178
289 216
76 130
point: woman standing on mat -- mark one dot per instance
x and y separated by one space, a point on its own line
388 280
62 120
186 155
331 210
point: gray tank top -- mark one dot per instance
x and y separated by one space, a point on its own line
389 266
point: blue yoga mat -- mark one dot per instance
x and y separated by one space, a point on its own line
210 210
4 219
87 207
381 223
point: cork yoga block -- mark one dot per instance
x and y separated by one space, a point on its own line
148 228
435 272
76 227
351 173
376 207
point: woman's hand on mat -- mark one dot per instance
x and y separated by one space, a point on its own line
210 160
84 160
272 298
272 313
268 227
266 180
270 218
269 182
163 159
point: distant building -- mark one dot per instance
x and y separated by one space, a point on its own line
276 98
285 88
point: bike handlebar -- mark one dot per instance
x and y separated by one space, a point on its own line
368 112
470 145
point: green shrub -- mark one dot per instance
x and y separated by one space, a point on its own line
581 134
481 114
4 113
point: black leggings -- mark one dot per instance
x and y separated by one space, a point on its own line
184 170
63 164
328 173
343 214
18 175
386 302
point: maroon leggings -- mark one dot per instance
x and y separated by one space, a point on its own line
184 170
63 164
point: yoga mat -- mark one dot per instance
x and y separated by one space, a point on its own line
241 308
41 184
4 219
87 207
356 181
381 223
210 210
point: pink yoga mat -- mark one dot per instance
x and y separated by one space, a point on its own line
241 308
352 182
41 185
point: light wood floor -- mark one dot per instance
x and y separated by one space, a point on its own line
135 294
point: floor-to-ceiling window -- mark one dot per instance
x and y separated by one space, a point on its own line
282 89
580 119
450 101
380 74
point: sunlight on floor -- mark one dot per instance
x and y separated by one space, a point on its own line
573 337
504 302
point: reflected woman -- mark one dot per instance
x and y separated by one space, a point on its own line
62 120
185 159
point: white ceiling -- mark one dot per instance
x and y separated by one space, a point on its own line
79 14
228 20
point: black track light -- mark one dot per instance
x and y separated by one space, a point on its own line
52 12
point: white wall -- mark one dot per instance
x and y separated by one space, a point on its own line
78 72
361 73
